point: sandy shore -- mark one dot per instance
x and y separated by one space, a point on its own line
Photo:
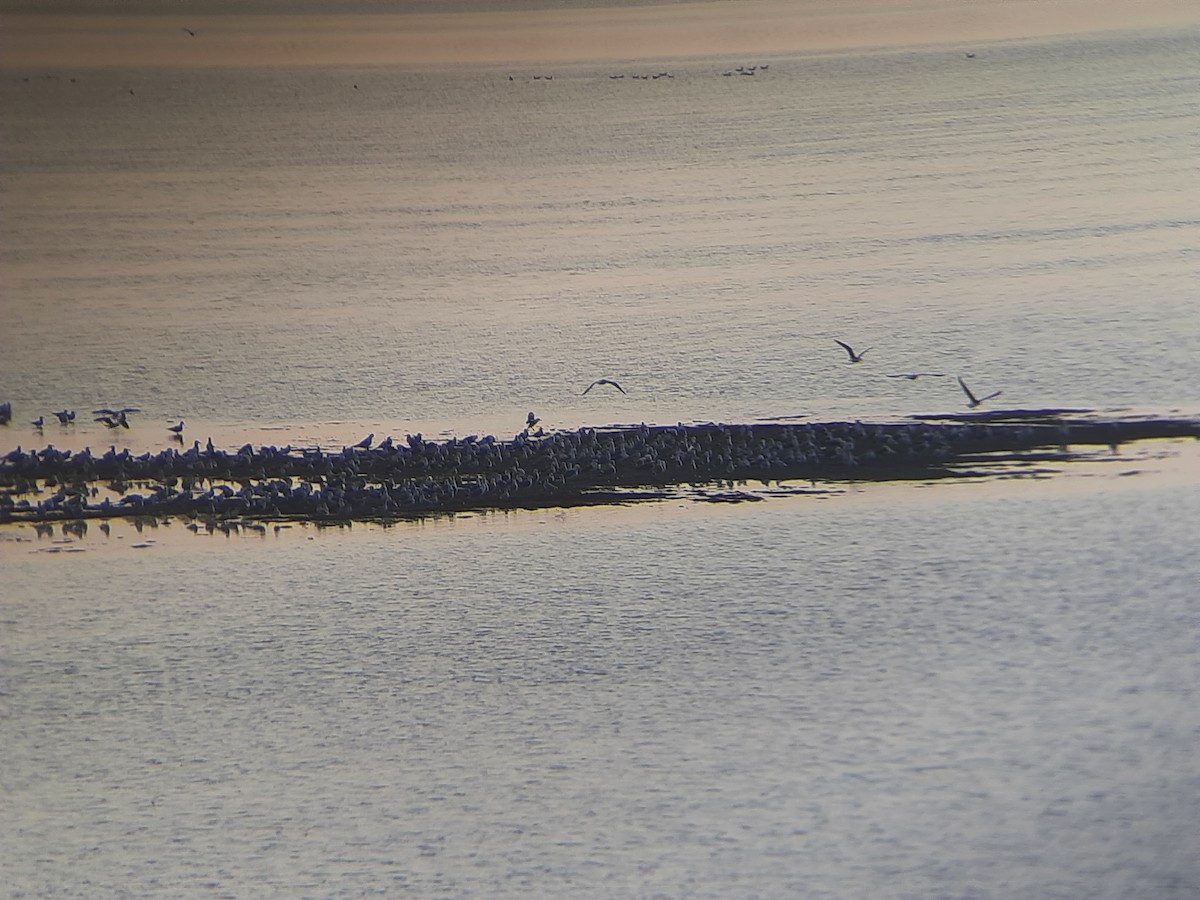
559 35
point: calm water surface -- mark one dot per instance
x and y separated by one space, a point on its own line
954 691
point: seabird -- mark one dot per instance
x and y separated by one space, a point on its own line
38 422
972 400
189 31
854 357
65 416
913 376
105 411
365 443
178 429
530 421
603 381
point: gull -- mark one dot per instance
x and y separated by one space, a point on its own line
365 443
178 429
38 422
65 416
972 400
531 420
603 381
913 376
105 411
854 357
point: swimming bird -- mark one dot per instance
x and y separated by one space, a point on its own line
913 376
603 381
972 400
178 429
854 357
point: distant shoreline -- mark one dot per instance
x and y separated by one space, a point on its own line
479 34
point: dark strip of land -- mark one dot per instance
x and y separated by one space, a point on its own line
591 465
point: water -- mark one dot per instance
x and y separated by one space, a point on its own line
961 690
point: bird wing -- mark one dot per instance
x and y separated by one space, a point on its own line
966 390
589 387
617 386
845 347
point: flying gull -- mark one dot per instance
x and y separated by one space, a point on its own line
913 376
854 357
603 381
972 400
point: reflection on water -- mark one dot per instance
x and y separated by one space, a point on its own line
798 697
273 246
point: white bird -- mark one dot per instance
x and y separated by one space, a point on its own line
913 376
972 400
854 357
603 381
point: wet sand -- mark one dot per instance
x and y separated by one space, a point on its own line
478 34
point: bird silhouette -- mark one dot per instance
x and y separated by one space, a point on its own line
178 429
603 381
972 400
854 357
365 443
66 416
530 421
913 376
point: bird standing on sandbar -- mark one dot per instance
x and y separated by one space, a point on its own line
854 357
65 416
177 429
365 443
603 381
972 400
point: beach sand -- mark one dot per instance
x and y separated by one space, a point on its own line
478 34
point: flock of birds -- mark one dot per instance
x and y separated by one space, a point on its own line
119 417
662 73
973 400
112 418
